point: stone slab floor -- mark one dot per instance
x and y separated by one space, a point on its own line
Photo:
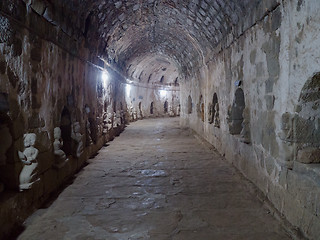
156 181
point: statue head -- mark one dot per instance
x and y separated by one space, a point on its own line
29 139
76 127
57 133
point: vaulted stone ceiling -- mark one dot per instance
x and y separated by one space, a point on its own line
183 33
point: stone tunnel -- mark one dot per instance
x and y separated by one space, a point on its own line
84 83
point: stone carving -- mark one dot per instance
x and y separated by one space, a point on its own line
28 157
77 137
245 132
116 119
99 126
216 118
235 112
178 110
122 117
60 156
107 122
171 112
135 115
88 134
210 113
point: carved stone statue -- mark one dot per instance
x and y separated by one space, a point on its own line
245 132
178 110
210 113
171 112
99 126
117 118
28 157
88 133
77 137
60 156
216 118
122 117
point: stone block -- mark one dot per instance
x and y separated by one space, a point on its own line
38 6
49 15
309 155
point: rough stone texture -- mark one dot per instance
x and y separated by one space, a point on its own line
179 189
38 77
281 90
52 55
139 95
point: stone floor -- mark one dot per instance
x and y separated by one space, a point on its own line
156 181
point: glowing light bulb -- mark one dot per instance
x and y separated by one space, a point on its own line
163 93
105 78
128 89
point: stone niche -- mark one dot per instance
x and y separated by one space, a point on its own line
302 128
235 113
200 109
165 107
213 112
151 108
189 104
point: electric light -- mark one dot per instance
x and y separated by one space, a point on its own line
163 93
128 89
105 78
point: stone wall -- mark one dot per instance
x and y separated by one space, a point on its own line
146 102
266 84
57 108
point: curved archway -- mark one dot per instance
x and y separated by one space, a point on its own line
65 126
165 107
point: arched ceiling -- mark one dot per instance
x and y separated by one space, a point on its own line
138 36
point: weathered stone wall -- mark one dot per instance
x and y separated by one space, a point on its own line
267 87
145 102
48 81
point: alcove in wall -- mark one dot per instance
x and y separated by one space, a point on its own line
235 113
189 105
65 126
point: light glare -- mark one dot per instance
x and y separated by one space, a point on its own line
128 89
163 93
105 78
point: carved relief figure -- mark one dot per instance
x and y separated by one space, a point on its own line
60 156
216 121
88 134
210 113
28 157
77 137
245 132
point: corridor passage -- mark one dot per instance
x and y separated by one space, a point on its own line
156 181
